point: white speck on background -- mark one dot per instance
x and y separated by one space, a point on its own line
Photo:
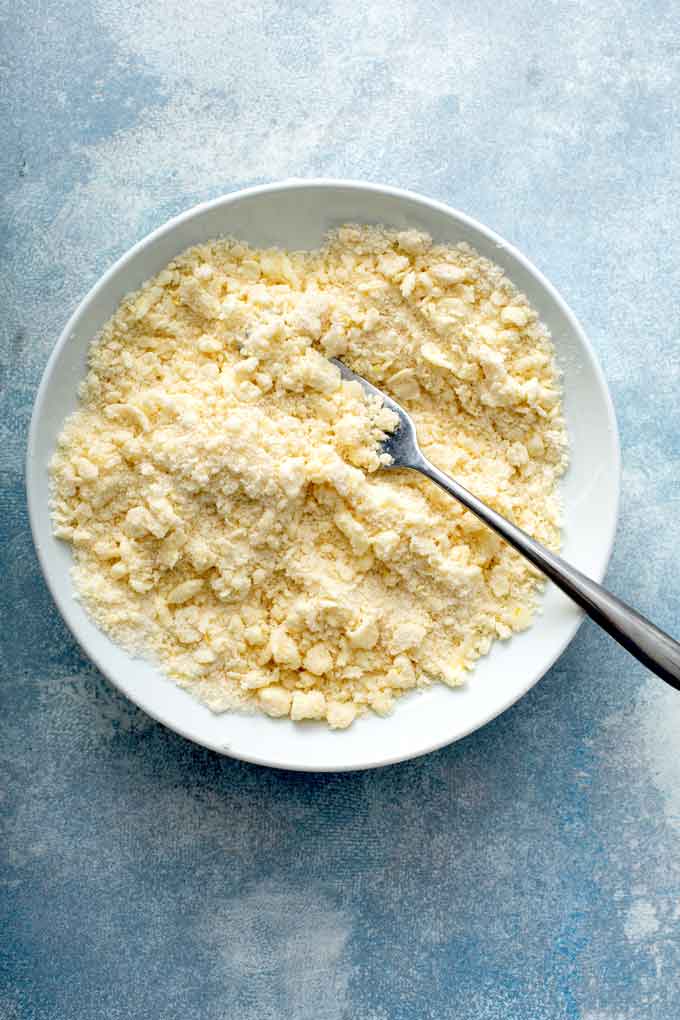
289 949
659 721
641 921
604 1014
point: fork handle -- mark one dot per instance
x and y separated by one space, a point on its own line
655 649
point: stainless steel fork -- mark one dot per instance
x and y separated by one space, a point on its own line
655 649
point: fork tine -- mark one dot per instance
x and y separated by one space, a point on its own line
351 376
402 443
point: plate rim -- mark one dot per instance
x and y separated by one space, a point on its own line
292 183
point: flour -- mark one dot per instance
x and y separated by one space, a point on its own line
220 484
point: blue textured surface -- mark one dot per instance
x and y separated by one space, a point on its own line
532 871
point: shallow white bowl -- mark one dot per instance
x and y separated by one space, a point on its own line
297 214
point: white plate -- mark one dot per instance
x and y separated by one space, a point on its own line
297 214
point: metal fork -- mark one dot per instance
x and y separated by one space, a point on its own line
655 649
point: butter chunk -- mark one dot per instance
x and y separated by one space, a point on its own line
514 316
407 635
284 649
318 660
365 635
274 701
340 714
448 273
308 705
184 592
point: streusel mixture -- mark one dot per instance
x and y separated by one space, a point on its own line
221 487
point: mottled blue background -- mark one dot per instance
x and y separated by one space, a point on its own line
530 871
